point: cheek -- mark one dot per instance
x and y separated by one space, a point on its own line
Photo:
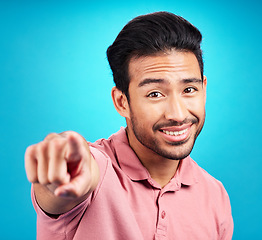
153 114
146 115
196 106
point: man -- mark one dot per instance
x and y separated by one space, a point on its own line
141 182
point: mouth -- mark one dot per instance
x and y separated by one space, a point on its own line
176 134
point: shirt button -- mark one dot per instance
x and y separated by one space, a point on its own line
163 214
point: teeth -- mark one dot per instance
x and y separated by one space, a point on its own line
175 133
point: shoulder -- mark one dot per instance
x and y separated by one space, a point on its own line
205 178
212 196
108 147
209 187
211 190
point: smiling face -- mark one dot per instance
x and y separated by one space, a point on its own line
166 110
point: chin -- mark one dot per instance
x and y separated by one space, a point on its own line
175 156
178 151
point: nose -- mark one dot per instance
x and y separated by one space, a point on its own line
176 109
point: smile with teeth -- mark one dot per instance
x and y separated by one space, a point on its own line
175 133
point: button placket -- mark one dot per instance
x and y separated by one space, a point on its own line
163 214
161 230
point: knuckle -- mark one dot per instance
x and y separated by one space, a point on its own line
30 150
75 135
58 143
50 136
42 146
67 133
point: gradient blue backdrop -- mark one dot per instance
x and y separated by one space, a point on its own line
54 76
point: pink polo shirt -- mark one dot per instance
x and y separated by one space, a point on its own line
129 205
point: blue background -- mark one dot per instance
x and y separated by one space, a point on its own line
54 76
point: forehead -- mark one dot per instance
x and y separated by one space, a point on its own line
173 64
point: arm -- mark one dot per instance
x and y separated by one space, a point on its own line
62 170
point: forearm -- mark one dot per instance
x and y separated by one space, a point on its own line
52 204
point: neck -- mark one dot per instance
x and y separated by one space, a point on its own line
160 169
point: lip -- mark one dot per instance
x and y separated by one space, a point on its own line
176 128
176 137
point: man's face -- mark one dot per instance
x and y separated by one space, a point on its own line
167 104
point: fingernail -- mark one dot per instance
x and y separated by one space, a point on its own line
64 194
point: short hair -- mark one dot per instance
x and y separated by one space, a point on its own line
148 35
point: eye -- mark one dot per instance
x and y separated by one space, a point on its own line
190 90
154 95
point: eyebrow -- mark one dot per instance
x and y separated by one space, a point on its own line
192 80
159 80
150 80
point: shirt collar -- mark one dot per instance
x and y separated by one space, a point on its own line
186 172
131 165
127 158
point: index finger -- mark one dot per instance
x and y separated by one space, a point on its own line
74 147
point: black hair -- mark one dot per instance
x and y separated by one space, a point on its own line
150 34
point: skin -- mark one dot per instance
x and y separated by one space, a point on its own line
166 95
62 170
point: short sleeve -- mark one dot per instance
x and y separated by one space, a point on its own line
227 226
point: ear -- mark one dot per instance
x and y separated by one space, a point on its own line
205 85
120 102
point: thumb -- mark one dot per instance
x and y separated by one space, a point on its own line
77 187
